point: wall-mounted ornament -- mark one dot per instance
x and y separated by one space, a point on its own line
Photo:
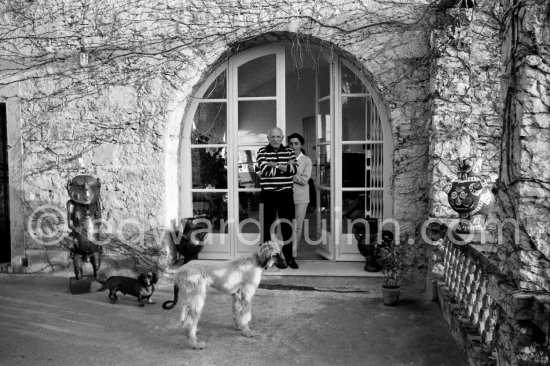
470 195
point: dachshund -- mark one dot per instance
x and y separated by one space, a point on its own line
142 287
239 278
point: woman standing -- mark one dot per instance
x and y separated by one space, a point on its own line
301 190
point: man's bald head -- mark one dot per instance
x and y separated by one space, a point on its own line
275 137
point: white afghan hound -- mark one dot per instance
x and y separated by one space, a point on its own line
239 277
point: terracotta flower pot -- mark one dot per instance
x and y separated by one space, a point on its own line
390 295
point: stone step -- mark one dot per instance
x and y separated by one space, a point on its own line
323 275
313 275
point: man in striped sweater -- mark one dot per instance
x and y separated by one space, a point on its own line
277 167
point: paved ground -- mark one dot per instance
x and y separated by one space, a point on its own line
41 323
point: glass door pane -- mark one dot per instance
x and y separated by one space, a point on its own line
360 164
209 168
248 234
257 77
258 100
353 196
324 209
255 118
212 207
207 185
353 118
248 168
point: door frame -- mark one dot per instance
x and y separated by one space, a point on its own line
327 249
220 245
5 246
231 248
336 239
387 162
233 100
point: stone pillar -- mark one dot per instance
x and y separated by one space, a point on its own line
464 89
525 174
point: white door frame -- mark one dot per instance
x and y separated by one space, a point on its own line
229 246
238 248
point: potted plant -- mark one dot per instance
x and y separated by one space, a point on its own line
396 259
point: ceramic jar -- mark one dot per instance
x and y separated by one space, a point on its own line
470 195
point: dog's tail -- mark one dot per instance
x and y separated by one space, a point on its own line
167 305
99 285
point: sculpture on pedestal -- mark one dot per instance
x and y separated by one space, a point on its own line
470 195
83 214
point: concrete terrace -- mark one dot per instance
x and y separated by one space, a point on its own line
337 320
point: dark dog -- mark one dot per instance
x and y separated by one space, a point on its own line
142 287
189 243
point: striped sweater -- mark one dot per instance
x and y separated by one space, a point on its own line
271 178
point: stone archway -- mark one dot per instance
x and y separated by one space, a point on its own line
191 191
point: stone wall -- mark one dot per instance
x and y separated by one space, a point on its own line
489 93
524 194
514 274
465 98
104 90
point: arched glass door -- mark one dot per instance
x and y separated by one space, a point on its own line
354 149
204 188
363 151
324 110
227 122
258 102
231 114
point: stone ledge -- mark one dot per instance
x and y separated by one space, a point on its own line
517 304
464 333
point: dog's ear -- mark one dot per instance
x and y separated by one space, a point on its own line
155 277
141 278
265 253
264 263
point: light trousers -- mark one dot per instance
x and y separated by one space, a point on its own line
299 215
